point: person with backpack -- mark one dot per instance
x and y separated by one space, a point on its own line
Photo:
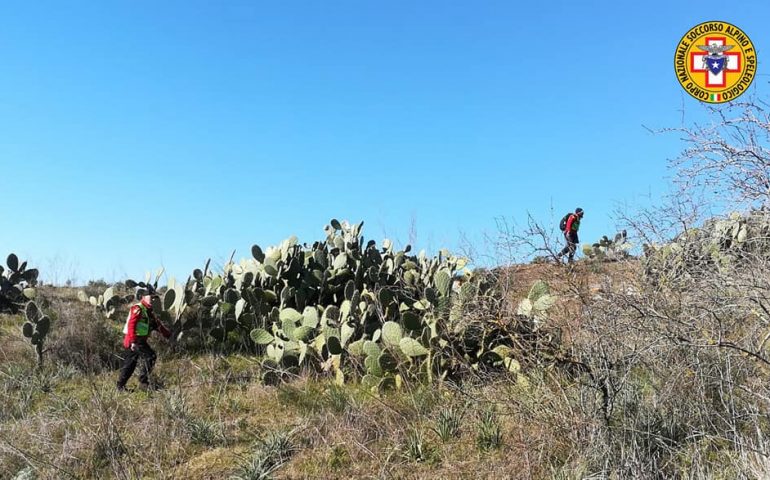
141 321
570 224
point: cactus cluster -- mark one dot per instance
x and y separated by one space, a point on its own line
609 250
17 284
109 301
345 306
538 302
106 302
168 303
718 245
36 328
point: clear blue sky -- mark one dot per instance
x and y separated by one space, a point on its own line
141 133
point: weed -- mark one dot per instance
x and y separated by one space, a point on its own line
338 458
417 449
307 399
424 398
176 405
448 423
205 432
489 435
201 431
269 455
337 399
413 449
27 473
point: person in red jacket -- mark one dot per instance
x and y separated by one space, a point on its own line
571 235
140 323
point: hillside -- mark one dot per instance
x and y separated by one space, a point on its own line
333 361
213 412
214 415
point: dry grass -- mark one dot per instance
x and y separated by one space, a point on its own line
82 428
215 419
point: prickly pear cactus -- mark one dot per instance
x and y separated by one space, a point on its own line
36 328
341 305
537 303
609 250
17 284
107 302
719 245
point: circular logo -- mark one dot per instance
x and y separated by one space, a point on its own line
715 62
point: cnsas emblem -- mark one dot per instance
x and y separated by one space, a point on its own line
715 62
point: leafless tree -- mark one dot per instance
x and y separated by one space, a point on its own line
729 156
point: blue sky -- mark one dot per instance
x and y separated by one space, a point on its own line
143 133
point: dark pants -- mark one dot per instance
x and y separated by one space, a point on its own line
571 246
130 358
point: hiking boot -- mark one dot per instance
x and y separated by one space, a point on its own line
150 387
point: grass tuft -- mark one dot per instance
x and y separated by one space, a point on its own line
268 457
448 423
489 435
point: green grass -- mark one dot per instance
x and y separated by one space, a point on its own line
448 423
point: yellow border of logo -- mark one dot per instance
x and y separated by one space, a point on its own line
730 46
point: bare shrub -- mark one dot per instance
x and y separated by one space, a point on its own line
729 155
83 338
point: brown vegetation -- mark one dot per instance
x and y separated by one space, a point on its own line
646 382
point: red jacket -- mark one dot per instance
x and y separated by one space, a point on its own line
572 226
134 317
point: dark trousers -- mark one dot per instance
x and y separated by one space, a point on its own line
571 246
131 358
